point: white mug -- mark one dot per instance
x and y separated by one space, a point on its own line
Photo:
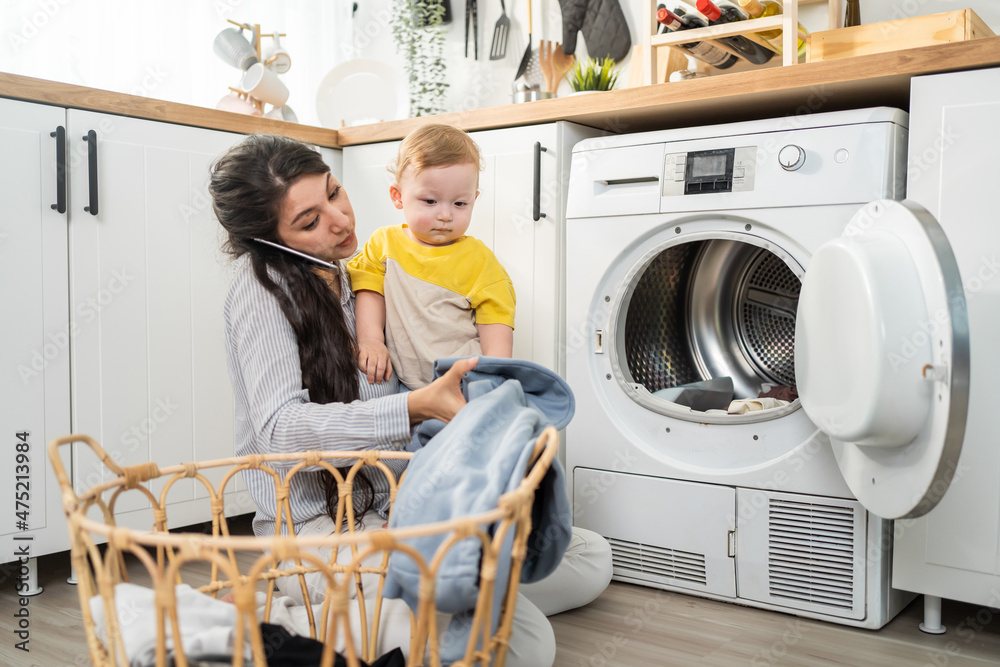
233 48
278 57
263 84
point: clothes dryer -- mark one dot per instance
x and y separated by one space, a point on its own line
764 253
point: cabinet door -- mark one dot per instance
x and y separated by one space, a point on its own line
952 552
35 336
529 249
147 285
366 181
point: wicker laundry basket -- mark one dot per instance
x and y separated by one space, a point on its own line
243 568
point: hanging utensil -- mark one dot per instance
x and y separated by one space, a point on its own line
554 63
526 58
472 9
545 60
498 49
468 11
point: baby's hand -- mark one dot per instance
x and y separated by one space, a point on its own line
373 360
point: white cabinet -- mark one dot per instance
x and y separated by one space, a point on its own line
952 552
531 250
35 336
147 285
118 303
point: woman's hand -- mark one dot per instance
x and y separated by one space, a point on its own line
441 399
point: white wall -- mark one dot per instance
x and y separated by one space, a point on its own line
163 48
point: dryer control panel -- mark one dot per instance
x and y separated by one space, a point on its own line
841 157
709 171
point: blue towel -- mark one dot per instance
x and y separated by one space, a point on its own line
464 468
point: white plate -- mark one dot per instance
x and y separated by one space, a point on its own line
361 91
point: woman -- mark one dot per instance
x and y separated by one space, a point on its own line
291 347
290 328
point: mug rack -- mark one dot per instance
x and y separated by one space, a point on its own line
787 22
257 36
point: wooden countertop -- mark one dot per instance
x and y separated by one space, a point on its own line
92 99
874 80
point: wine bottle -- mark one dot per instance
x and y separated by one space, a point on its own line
853 14
703 51
760 8
751 51
660 29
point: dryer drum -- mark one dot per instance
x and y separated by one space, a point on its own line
708 309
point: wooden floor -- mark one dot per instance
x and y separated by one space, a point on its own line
628 625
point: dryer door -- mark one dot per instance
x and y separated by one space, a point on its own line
882 356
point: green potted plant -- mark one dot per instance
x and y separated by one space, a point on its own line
593 74
418 28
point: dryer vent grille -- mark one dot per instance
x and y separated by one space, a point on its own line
632 559
811 553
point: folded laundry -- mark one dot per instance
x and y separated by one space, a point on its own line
745 405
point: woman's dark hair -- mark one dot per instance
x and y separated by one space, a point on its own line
248 185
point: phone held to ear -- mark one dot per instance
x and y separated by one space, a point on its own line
321 262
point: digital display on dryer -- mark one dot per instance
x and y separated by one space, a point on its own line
709 171
708 165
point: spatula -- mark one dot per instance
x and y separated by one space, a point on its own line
498 50
526 58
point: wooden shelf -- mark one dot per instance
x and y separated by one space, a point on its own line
747 28
787 22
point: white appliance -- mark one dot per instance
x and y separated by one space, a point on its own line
766 252
954 551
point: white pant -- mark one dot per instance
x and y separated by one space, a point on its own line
581 576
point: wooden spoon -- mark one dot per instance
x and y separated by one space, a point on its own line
545 61
554 64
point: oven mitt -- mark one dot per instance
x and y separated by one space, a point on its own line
603 25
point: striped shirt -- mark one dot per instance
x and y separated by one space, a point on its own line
273 412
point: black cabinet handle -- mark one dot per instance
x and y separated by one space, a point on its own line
536 210
60 135
91 139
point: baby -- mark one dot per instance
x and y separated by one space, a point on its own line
424 289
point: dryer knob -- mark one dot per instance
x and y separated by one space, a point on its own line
791 157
